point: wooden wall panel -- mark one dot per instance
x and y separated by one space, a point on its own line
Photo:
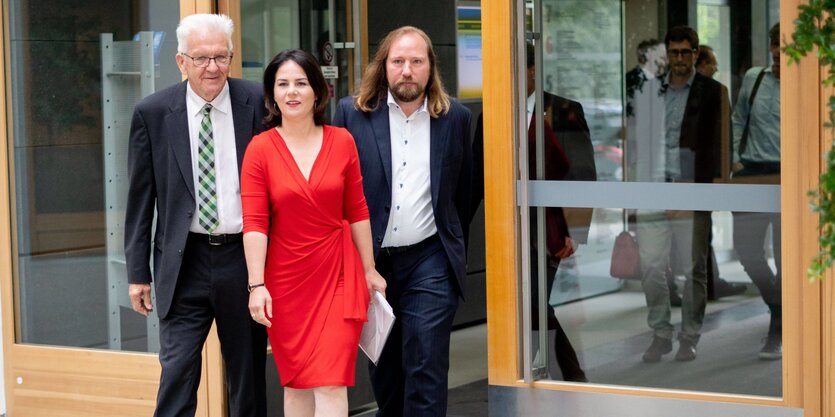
499 198
6 290
809 353
801 163
46 381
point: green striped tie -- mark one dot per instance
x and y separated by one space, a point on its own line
207 191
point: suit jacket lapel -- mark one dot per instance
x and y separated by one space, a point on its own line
437 127
382 133
176 124
242 114
687 137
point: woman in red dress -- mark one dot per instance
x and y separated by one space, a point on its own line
307 239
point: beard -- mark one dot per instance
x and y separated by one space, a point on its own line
407 93
681 70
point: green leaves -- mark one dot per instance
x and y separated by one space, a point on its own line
815 31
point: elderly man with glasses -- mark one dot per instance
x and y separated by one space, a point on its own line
186 146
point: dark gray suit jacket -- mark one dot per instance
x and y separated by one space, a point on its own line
450 173
160 177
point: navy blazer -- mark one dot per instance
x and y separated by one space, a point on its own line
451 160
160 177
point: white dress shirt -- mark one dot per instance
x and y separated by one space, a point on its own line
411 219
531 103
226 159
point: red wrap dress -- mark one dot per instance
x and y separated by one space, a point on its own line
313 270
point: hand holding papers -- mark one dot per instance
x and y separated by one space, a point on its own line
376 330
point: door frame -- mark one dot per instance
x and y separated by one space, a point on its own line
809 331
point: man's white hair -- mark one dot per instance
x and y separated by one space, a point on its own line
203 23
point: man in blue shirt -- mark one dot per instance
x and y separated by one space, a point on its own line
756 153
691 140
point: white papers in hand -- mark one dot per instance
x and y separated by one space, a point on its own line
376 330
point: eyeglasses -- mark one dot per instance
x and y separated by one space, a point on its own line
680 52
203 61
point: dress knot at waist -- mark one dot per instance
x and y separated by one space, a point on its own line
355 287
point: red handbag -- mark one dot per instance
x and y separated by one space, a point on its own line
626 261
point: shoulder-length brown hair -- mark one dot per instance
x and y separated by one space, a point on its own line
374 86
314 77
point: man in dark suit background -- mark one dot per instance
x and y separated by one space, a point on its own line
569 155
186 145
416 160
695 112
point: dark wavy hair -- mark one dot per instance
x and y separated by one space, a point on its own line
680 34
314 77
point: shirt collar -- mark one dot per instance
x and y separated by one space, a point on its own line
390 101
531 102
221 103
666 79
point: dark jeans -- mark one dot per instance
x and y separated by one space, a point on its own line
410 379
750 230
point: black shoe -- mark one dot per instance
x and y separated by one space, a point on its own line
659 347
576 378
675 299
773 348
686 350
723 288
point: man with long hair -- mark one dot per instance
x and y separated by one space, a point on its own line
416 160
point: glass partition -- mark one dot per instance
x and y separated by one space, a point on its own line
76 71
650 179
323 28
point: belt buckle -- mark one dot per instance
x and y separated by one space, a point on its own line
217 240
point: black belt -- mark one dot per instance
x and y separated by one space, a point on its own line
216 240
395 250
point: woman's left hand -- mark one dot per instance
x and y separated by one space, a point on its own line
375 282
568 249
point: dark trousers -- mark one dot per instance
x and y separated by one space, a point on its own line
566 356
749 239
211 287
749 242
411 377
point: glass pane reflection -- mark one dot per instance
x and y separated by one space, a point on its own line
70 280
704 312
604 320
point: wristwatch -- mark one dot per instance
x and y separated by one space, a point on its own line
250 287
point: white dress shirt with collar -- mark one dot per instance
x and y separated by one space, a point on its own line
411 219
226 159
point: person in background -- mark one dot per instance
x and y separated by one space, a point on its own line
756 152
706 62
717 287
569 155
689 152
307 239
186 144
414 148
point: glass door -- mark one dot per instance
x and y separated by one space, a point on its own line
622 126
326 28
